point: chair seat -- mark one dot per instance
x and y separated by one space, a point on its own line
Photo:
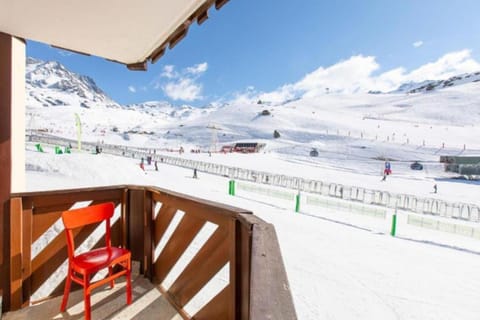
98 259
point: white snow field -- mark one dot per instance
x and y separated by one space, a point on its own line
341 263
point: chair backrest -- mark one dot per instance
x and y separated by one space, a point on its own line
80 217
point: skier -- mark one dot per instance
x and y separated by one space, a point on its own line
388 168
156 165
195 174
435 188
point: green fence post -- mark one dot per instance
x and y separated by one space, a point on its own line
230 187
394 224
233 187
297 202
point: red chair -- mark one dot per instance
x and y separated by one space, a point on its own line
82 266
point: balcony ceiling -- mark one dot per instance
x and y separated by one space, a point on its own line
126 31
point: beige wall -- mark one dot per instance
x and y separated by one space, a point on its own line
18 115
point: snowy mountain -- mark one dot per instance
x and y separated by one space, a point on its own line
428 85
49 83
382 123
167 111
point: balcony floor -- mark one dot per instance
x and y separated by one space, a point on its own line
148 303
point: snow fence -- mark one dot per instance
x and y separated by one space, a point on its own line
355 194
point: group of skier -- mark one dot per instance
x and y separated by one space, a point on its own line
388 171
149 162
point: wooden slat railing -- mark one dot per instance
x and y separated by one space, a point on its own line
211 261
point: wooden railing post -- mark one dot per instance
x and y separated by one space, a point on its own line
243 246
136 219
27 229
270 296
125 218
148 229
16 254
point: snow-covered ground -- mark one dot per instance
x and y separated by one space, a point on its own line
340 264
337 270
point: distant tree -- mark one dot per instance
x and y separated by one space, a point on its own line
259 101
276 134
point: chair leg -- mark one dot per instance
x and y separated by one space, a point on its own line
86 297
129 286
66 292
110 271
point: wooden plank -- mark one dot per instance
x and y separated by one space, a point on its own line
16 279
201 211
232 250
52 256
270 296
181 238
124 218
116 233
46 199
45 217
217 308
135 214
200 206
64 192
243 245
148 248
160 192
6 161
205 264
163 220
41 222
64 206
27 254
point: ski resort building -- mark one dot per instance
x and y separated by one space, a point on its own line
464 165
248 147
133 33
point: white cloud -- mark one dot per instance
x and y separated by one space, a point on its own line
349 76
449 65
358 75
132 89
168 72
183 89
181 85
417 44
197 69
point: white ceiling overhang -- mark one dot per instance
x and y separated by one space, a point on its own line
126 31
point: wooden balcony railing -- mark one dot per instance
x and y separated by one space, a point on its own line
211 261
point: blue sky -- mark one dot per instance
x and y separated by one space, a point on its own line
279 49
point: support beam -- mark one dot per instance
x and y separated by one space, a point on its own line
18 115
12 143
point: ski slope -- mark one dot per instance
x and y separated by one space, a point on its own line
336 270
